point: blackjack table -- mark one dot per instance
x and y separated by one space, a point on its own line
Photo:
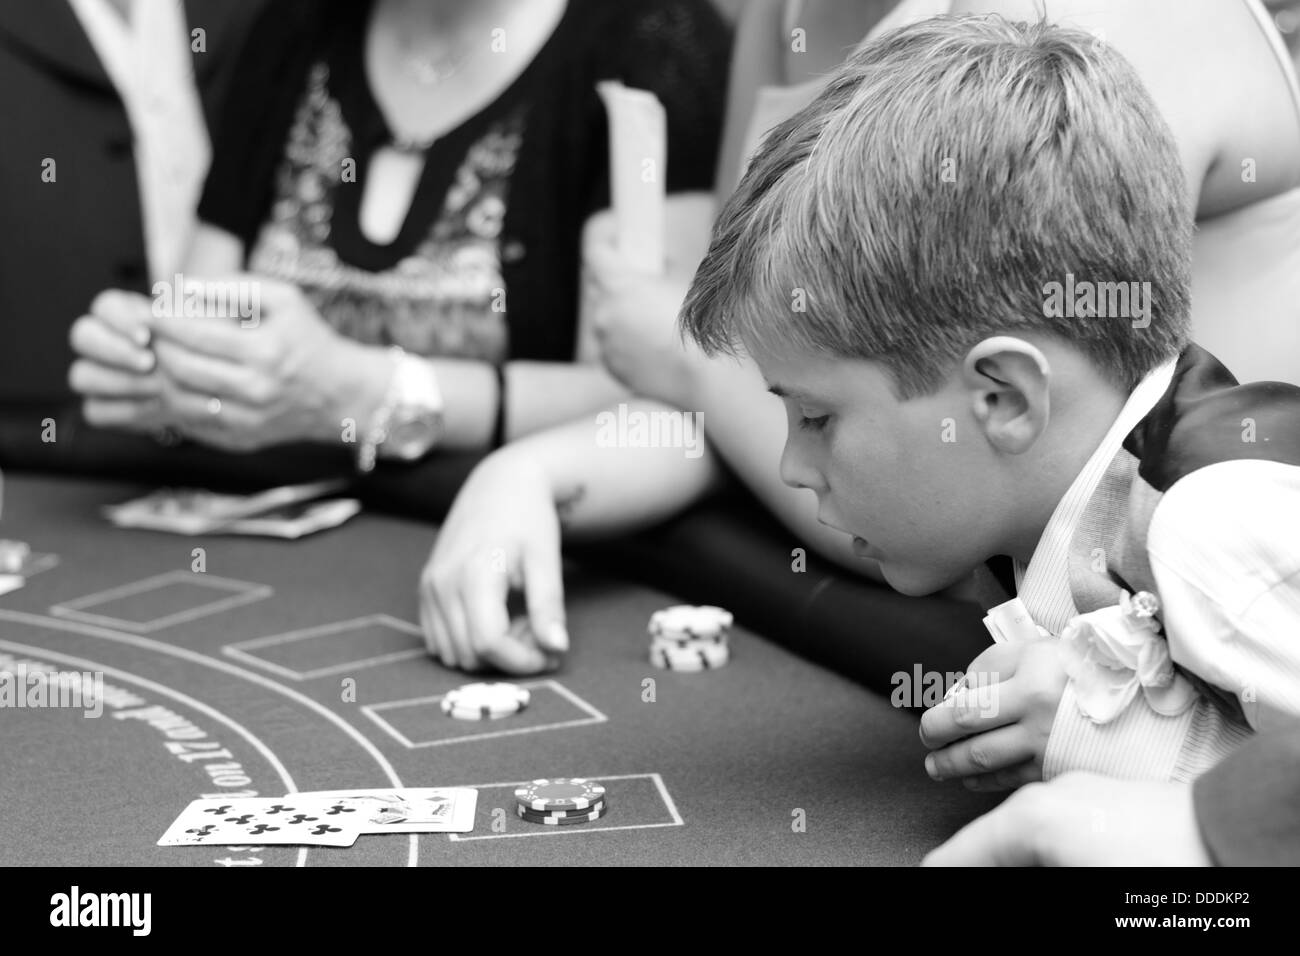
239 666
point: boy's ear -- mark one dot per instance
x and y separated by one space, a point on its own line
1008 382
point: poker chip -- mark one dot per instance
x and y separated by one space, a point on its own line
699 658
13 555
485 701
686 643
562 819
690 621
539 817
560 794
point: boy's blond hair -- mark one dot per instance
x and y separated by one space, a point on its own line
929 197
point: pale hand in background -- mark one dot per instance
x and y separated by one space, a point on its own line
1082 819
502 534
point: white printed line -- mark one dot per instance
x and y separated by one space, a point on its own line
238 650
147 643
370 711
677 820
124 677
250 593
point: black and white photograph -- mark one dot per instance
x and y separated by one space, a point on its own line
530 434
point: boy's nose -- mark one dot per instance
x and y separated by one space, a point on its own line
797 471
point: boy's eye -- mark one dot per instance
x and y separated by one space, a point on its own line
813 424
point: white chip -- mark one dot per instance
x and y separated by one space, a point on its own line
691 620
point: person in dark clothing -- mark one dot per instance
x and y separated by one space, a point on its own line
408 183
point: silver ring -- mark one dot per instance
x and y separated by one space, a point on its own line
214 406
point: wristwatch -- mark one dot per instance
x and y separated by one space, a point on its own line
409 422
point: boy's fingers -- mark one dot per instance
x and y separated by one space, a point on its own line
994 665
981 754
968 711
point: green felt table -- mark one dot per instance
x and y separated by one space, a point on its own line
298 666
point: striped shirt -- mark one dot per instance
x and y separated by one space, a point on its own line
1224 548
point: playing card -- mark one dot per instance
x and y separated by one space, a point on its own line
263 821
198 511
297 520
409 809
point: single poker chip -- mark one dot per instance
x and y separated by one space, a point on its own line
562 793
561 821
702 658
690 621
13 555
538 816
485 701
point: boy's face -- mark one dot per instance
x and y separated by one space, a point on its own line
913 481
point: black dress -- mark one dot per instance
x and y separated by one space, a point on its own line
486 263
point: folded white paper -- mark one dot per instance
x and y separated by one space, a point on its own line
638 164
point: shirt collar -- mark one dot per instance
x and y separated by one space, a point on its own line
1044 584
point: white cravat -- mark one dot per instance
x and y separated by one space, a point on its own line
150 64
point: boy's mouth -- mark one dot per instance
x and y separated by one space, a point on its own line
861 548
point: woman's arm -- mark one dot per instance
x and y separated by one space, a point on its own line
1210 71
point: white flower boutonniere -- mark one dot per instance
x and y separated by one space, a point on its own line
1112 652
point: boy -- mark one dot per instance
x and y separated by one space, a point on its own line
965 270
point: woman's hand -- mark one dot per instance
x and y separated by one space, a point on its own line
502 533
994 733
276 374
634 318
115 372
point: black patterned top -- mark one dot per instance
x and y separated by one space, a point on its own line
485 265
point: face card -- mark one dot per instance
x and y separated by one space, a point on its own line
264 821
408 809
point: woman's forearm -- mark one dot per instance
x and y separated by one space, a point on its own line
603 486
540 395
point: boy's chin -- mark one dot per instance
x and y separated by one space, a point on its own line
918 580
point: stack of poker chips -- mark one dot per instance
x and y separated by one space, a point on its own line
561 802
690 638
485 701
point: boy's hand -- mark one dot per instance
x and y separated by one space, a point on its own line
1083 819
502 533
994 733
